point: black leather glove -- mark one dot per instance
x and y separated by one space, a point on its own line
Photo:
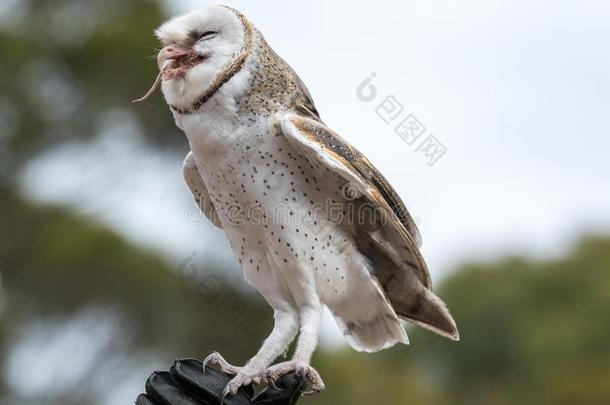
186 384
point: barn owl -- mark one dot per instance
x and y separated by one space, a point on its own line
311 221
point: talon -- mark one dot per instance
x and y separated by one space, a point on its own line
229 390
207 360
315 389
224 366
275 387
245 376
300 369
224 395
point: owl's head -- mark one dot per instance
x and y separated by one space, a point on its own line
199 50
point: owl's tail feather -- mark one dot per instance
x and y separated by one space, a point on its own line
375 335
426 310
365 315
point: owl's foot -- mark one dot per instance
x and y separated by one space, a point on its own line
248 374
301 369
216 359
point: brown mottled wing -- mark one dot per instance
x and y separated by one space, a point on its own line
198 188
305 107
355 167
334 142
389 245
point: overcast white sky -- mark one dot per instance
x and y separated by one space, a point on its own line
518 92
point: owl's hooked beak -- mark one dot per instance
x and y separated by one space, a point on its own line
171 52
173 61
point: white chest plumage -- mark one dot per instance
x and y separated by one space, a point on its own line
271 203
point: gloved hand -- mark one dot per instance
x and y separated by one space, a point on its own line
186 384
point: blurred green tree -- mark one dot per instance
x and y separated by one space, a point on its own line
531 332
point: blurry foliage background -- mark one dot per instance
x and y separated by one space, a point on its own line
86 315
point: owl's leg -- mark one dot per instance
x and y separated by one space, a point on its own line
308 340
255 371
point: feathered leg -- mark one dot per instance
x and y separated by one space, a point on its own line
310 317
